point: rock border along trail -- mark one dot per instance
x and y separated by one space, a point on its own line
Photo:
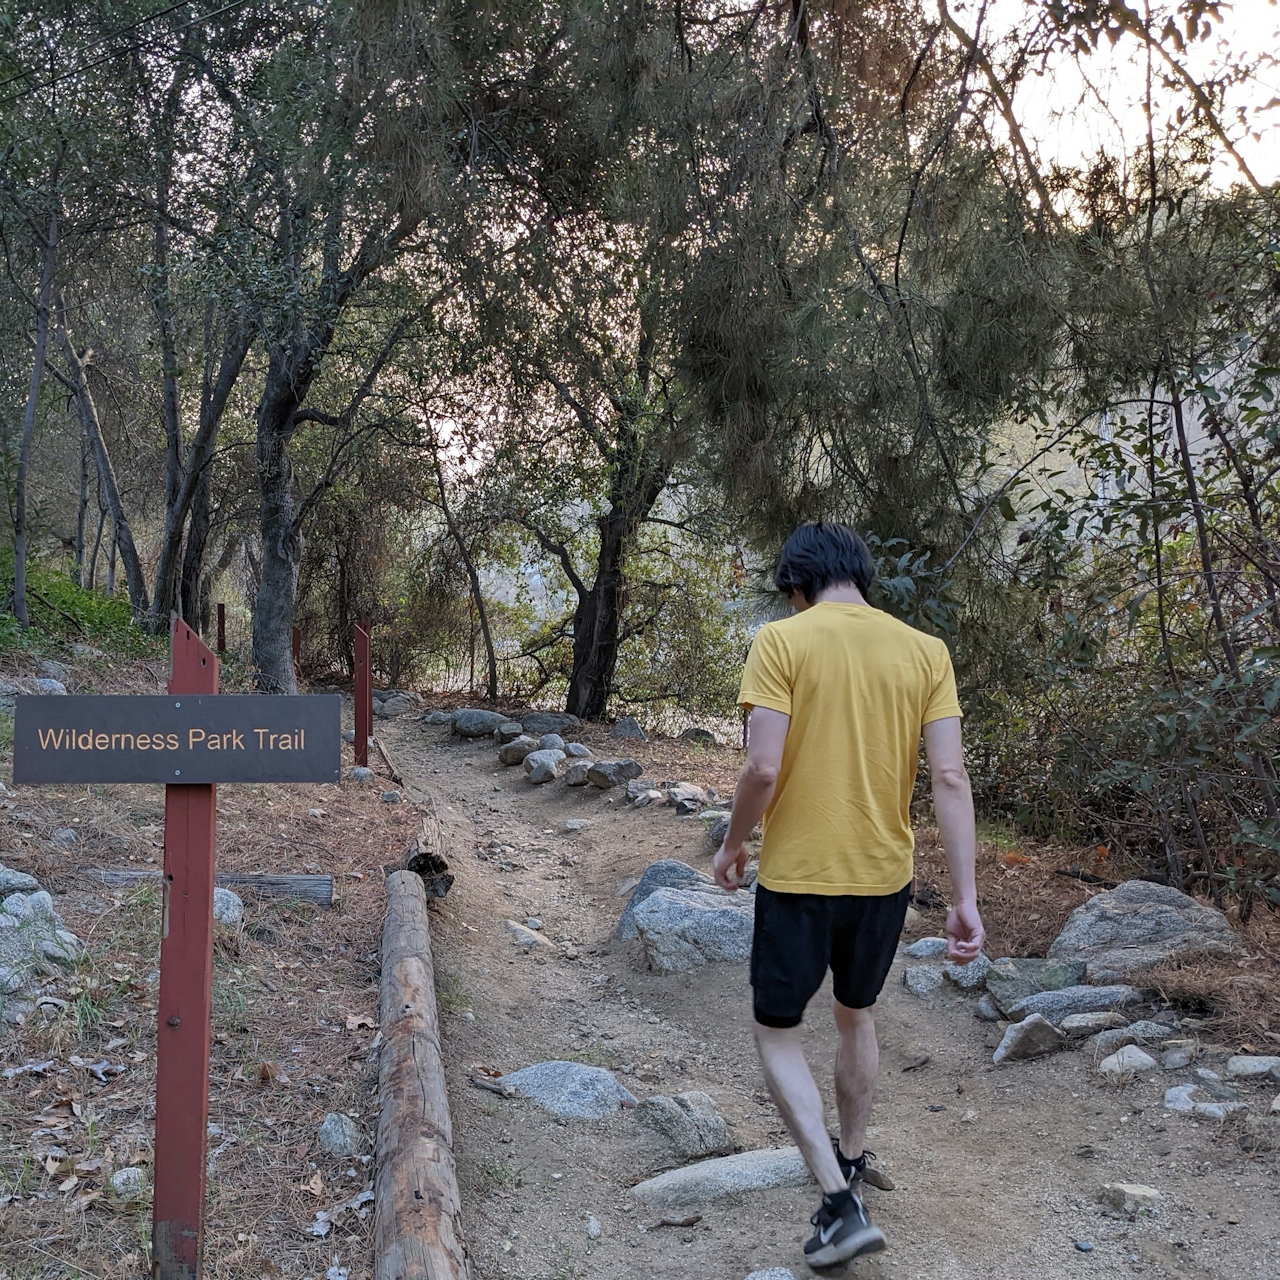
1001 1171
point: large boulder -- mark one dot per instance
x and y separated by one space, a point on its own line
612 773
1137 925
395 703
472 723
12 881
536 723
666 873
1009 981
684 929
629 727
9 689
570 1089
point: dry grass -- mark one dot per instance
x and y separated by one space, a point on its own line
294 1003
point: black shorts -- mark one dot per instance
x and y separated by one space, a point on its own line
799 935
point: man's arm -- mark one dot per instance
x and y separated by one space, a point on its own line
953 806
765 739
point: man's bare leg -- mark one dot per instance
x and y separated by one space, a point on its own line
791 1083
857 1065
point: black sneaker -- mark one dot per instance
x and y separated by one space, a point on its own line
860 1171
842 1231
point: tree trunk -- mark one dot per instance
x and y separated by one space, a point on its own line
278 584
197 541
43 300
597 624
122 539
473 578
82 511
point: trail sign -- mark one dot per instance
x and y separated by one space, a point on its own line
189 739
177 739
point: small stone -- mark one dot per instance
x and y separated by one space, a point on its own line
529 939
340 1136
1275 1105
927 948
923 979
968 977
570 1089
551 742
629 727
1128 1197
129 1185
578 751
52 670
1107 1042
611 773
509 731
1218 1110
1129 1061
647 796
1087 1024
576 775
687 808
432 717
1180 1098
1252 1066
1207 1074
44 684
702 737
576 824
65 837
1033 1037
1084 1246
986 1010
348 735
360 774
533 923
391 797
593 1228
228 907
685 791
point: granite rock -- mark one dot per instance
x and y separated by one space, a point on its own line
702 737
1010 980
666 873
927 949
689 1122
968 977
684 929
578 751
536 723
629 727
472 723
543 765
12 881
228 907
612 773
340 1136
576 774
1252 1066
1088 1024
708 1180
1033 1037
1128 1061
551 742
570 1089
1056 1005
508 731
923 979
1137 925
514 752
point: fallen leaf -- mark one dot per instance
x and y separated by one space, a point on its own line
89 1166
84 1199
357 1020
1101 853
267 1072
70 1184
1015 858
315 1186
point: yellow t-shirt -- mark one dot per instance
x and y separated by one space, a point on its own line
859 686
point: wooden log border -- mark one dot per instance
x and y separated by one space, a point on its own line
317 889
417 1232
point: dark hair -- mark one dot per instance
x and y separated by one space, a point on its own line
821 555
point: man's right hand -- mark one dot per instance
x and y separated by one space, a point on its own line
729 865
964 932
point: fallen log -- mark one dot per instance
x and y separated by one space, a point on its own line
425 855
317 889
417 1232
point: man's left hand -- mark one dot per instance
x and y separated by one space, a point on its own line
729 865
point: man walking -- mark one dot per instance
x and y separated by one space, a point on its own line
839 696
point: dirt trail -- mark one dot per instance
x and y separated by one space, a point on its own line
997 1169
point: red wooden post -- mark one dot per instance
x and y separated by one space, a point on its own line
297 650
186 995
363 695
222 627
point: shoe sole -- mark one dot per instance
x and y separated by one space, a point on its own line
869 1240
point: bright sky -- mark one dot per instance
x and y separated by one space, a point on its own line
1089 103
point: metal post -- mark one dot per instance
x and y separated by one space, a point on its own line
186 994
222 627
363 695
